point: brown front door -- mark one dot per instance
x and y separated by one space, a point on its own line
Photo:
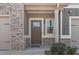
36 32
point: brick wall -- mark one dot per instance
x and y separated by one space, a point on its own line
15 11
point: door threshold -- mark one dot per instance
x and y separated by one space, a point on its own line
35 45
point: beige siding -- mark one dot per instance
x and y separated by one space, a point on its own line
26 24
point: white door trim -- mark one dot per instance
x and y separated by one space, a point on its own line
70 19
30 19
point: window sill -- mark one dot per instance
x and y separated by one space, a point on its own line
65 37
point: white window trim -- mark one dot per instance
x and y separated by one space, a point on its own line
61 22
65 36
50 35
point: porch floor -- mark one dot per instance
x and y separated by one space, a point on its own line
29 51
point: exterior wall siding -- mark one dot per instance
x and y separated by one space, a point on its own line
65 19
65 41
65 23
27 42
26 24
15 12
47 42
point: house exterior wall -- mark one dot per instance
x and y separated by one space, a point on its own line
65 23
46 42
65 19
65 41
15 12
16 15
35 15
26 24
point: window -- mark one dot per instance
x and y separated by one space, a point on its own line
50 26
36 24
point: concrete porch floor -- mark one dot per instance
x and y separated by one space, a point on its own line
29 51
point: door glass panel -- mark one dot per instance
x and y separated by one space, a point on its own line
36 24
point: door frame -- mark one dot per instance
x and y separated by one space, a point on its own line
70 19
70 26
30 19
8 16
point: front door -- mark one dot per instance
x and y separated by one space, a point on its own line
75 32
36 32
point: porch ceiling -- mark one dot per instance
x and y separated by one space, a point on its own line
44 6
40 3
39 11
